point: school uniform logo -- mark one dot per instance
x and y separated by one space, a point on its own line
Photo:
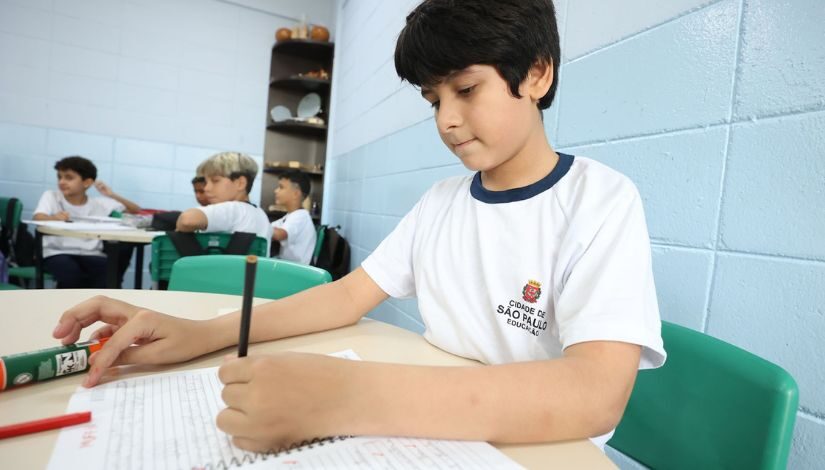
531 291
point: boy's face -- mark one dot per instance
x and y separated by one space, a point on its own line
71 184
200 193
478 119
287 192
223 189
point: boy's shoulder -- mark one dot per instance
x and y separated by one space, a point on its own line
590 179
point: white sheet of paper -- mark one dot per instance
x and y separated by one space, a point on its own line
167 421
81 226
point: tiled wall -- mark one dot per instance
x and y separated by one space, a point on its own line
715 109
145 88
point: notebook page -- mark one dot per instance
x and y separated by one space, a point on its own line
167 421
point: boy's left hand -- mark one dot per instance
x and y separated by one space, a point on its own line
103 189
275 401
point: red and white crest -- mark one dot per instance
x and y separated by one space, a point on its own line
531 291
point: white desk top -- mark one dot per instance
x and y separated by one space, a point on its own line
87 231
27 318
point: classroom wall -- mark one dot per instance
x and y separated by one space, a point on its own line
146 89
715 109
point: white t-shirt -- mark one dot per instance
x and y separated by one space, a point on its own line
301 237
519 275
235 216
52 202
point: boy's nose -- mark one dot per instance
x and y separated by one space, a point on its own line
447 117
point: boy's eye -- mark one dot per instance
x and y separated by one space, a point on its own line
466 91
434 104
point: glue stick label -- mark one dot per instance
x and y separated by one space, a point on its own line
71 362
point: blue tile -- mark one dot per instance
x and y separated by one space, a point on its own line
65 143
144 179
782 59
682 284
16 139
679 178
188 158
28 193
144 153
28 168
773 199
405 189
774 309
387 313
418 146
656 81
808 450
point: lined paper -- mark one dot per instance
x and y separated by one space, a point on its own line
167 421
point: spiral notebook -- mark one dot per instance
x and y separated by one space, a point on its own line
167 421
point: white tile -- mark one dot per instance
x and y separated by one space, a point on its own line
23 109
85 33
22 50
102 11
207 84
144 153
83 90
188 158
28 168
24 81
147 126
17 139
216 61
83 61
151 101
81 117
62 143
160 47
147 73
139 178
205 109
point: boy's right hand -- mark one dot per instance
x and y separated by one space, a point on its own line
63 215
136 335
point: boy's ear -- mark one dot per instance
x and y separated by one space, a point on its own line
240 183
87 183
539 79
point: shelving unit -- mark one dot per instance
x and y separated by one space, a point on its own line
295 140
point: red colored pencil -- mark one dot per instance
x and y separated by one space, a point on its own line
45 424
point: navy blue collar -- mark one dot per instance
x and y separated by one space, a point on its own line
519 194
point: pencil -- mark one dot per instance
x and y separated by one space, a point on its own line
45 424
246 307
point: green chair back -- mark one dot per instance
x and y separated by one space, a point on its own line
18 212
319 242
164 253
712 405
4 286
224 274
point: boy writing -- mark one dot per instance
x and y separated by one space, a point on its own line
229 177
537 265
74 262
295 231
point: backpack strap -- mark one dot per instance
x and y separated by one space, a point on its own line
7 230
186 243
239 243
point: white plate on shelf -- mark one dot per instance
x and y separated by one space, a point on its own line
309 106
280 113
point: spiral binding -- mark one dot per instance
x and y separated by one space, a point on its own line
252 458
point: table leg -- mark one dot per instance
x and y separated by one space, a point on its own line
139 266
112 264
38 259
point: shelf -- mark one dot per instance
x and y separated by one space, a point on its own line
306 49
300 128
301 84
284 169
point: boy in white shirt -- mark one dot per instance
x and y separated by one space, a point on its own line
295 231
229 177
538 266
75 262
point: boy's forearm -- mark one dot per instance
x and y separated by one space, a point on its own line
191 220
522 402
321 308
130 206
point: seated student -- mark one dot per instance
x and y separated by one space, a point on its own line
295 231
199 186
537 265
229 177
75 262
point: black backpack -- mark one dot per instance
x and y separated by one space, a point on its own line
17 246
334 255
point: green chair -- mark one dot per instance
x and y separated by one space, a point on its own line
4 286
712 405
24 273
164 253
224 274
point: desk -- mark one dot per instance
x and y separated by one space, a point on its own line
111 248
28 318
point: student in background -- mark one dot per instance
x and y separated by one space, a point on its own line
199 186
537 265
229 177
295 231
75 262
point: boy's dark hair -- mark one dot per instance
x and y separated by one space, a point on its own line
443 36
82 166
199 180
299 179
